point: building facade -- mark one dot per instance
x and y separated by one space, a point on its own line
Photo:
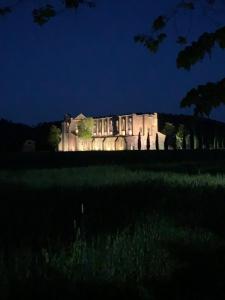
113 133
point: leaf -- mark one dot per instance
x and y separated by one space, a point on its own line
169 129
161 37
187 5
205 97
75 3
43 14
71 3
85 128
153 46
150 43
5 10
196 51
220 37
140 38
159 23
181 40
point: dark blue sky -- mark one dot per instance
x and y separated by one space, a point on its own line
87 62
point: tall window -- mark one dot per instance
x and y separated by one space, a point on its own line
129 123
95 127
105 125
99 126
117 125
110 125
123 125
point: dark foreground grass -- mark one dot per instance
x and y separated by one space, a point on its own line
147 231
154 259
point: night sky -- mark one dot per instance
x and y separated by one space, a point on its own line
86 61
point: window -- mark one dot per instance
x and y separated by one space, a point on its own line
100 126
123 126
105 125
129 123
110 125
67 127
117 125
95 127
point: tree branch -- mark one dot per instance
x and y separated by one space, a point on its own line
206 97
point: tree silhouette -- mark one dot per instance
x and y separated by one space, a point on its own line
148 142
170 132
139 141
47 10
157 142
180 137
204 97
54 137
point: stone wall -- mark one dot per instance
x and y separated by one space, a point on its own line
124 135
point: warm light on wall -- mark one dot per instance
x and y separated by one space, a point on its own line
104 135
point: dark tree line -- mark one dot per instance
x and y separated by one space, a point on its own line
14 135
187 132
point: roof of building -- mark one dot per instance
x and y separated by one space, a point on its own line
114 115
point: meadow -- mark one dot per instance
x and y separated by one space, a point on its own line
147 229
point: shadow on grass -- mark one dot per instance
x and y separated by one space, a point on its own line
198 274
59 289
37 216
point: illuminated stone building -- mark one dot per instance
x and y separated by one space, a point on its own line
112 133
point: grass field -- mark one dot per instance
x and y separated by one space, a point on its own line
141 230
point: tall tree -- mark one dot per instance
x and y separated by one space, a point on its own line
170 132
54 137
85 128
202 98
148 142
157 141
180 137
139 141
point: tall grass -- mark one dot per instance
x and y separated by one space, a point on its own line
45 202
107 176
136 255
152 229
